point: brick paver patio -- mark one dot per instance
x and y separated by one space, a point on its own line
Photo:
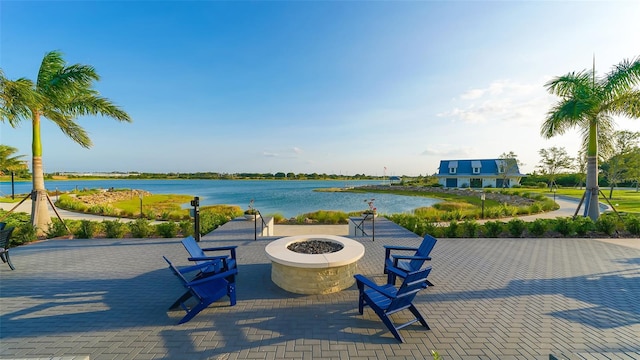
493 299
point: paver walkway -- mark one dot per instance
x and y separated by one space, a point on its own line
493 299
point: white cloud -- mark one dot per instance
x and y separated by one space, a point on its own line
502 101
443 151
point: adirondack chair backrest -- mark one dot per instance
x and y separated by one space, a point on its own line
428 243
5 236
412 284
2 225
193 248
176 271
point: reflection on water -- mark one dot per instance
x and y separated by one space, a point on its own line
286 197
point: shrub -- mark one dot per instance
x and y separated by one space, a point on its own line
141 228
582 225
56 229
114 229
564 226
492 229
632 224
516 227
535 208
538 227
470 228
509 210
186 228
24 233
86 230
606 224
210 221
452 230
167 229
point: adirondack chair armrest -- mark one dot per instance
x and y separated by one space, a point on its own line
196 267
221 275
231 248
408 257
363 281
388 248
205 258
392 247
397 271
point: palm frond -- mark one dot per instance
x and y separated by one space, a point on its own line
17 98
52 63
74 131
90 104
622 78
569 84
627 104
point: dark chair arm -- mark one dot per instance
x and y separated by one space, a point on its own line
408 257
363 281
196 267
225 274
231 248
391 247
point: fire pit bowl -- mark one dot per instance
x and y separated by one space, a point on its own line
302 273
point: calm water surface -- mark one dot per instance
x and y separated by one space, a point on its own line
286 197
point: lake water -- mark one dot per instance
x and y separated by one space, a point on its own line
286 197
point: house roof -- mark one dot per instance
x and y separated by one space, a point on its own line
487 167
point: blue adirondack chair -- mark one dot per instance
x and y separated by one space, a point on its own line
205 290
217 263
385 300
5 239
407 263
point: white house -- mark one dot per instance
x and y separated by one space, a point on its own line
496 173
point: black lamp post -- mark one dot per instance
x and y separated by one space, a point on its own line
140 205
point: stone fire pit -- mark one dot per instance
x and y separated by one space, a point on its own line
314 273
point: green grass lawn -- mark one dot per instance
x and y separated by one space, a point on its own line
627 200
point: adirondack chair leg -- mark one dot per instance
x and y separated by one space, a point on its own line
5 258
418 316
391 278
194 311
181 300
391 327
231 292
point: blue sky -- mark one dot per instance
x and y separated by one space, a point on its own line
313 86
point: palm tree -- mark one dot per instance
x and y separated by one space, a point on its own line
61 94
10 163
590 103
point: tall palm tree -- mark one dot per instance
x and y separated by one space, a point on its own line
590 103
61 93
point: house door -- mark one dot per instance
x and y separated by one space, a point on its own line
476 183
502 183
452 182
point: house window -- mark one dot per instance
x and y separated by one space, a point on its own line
452 170
476 170
501 169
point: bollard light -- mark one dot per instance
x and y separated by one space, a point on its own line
482 197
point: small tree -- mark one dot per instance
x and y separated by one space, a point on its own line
622 163
510 167
553 161
580 166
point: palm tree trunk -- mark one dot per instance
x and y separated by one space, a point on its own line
591 201
40 218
